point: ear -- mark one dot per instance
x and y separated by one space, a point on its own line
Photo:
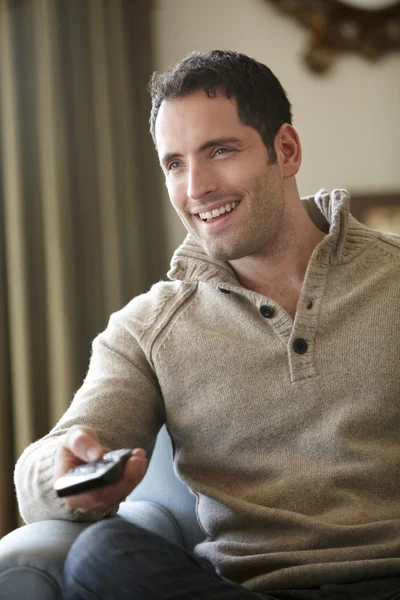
288 150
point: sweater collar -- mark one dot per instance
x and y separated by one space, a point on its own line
345 239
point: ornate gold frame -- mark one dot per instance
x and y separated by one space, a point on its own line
338 27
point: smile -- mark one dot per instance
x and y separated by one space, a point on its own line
217 212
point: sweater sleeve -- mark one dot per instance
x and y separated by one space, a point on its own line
120 399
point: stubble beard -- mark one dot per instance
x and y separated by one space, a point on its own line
263 231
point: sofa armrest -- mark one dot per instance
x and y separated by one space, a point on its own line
32 557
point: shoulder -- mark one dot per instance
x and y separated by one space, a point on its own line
389 243
163 297
146 315
362 238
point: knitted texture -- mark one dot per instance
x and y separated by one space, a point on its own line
285 428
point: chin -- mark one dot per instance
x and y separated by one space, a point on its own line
224 250
223 254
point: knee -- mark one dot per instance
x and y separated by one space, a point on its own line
100 533
96 542
97 555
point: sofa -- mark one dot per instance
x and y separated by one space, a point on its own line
32 556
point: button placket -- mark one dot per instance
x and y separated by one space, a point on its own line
305 326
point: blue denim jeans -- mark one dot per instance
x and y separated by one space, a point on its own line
115 560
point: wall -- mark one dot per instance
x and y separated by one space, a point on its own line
348 120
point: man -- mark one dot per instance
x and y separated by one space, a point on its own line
272 355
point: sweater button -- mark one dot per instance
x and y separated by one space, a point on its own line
266 311
300 346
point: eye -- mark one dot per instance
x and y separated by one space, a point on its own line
173 165
220 151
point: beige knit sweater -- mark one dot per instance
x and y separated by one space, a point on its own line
286 429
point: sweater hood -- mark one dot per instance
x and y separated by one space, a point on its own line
345 238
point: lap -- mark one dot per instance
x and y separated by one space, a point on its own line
117 559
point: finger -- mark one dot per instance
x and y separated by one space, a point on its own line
84 443
135 469
139 452
104 499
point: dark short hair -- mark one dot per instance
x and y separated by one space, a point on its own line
262 102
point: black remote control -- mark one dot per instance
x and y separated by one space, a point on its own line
93 475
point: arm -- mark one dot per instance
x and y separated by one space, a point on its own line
119 400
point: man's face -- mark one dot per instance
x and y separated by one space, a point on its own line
218 176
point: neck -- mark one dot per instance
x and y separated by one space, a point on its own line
279 273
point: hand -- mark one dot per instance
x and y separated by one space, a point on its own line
81 445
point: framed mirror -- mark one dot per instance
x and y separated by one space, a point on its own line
370 28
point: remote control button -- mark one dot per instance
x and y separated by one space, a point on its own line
84 469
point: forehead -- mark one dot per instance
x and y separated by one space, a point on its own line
187 122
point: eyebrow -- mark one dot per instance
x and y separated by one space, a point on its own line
222 141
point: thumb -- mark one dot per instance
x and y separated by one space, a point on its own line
84 443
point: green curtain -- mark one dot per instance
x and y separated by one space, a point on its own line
81 225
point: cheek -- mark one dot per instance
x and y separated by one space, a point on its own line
242 177
177 195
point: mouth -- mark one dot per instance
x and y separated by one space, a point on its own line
209 216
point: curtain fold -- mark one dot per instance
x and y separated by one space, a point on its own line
81 226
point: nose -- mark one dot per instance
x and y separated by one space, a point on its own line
201 181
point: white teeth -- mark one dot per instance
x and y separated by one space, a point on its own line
218 211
